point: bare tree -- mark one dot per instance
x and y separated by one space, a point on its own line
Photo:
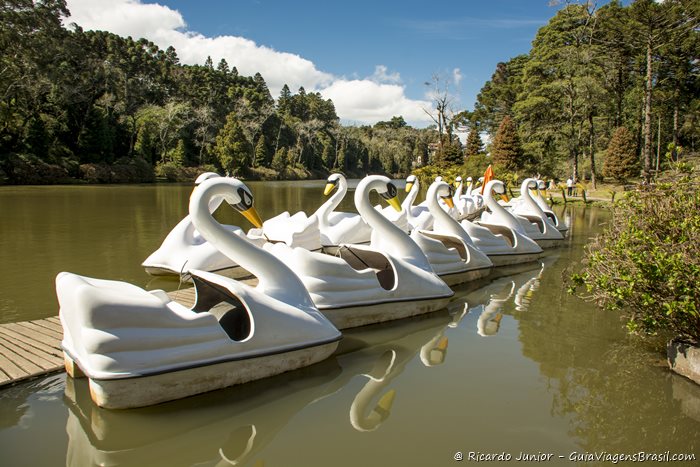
443 114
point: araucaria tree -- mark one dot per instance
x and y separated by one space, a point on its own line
506 151
621 161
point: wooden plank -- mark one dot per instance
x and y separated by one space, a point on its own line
36 333
32 355
185 297
53 334
9 368
4 378
48 324
17 364
54 319
50 348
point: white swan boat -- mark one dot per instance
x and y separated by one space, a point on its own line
536 223
503 242
418 217
450 251
340 227
140 348
390 279
185 248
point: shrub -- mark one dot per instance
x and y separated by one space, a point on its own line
647 262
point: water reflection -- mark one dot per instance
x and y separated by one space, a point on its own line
224 427
234 425
555 375
422 335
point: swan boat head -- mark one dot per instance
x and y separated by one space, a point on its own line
333 181
411 180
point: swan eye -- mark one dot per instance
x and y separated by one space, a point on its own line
246 200
390 191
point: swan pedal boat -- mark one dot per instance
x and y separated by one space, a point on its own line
360 285
141 348
536 224
504 242
450 251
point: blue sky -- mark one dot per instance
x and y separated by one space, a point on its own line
372 58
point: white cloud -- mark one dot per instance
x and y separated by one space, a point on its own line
381 76
363 100
457 76
378 97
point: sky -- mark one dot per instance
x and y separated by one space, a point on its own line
375 59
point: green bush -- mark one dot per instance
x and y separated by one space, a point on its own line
647 262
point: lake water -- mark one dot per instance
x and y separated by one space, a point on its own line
513 365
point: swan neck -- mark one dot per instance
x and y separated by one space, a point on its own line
411 197
273 275
527 198
459 190
437 212
504 216
329 206
394 240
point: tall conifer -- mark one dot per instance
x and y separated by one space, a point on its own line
621 161
506 151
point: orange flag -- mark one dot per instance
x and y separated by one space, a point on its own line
488 176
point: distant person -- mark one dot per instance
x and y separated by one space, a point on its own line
552 185
569 186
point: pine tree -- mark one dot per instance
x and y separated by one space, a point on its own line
506 151
260 152
474 144
452 153
284 103
621 161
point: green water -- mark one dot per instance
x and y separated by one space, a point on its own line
513 365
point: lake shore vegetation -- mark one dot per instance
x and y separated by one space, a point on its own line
83 106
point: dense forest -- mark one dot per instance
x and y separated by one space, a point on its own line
97 107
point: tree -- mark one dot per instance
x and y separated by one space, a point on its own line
279 160
232 148
497 97
284 103
474 144
443 114
621 161
260 152
559 84
506 151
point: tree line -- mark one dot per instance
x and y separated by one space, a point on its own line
95 106
604 91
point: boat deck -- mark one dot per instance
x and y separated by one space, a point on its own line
33 348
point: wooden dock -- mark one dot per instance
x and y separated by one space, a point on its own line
33 348
29 349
